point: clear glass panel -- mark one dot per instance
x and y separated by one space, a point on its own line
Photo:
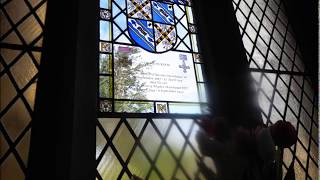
194 43
139 165
30 29
24 70
185 108
189 14
199 72
109 165
105 31
123 145
104 4
203 92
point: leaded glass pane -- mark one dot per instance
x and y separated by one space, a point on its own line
21 34
280 77
148 148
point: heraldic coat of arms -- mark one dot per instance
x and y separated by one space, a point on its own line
151 24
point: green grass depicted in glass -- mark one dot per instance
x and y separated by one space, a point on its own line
105 66
133 107
105 83
126 85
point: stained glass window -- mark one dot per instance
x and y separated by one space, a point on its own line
149 58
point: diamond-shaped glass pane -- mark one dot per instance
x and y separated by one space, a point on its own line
139 164
16 119
100 142
189 162
11 168
7 92
123 141
4 146
162 125
24 70
21 24
14 14
136 125
109 166
23 147
109 124
151 141
175 140
30 29
166 163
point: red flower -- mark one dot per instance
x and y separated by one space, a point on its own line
208 126
217 127
283 134
244 140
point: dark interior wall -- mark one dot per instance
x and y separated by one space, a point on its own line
226 64
63 128
83 151
52 124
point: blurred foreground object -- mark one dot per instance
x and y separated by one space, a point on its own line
284 134
243 153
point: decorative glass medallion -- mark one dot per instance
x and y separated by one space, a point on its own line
105 14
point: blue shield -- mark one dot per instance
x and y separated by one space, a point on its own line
151 24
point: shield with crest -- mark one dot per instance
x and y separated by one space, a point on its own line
151 24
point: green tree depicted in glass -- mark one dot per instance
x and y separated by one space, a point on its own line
126 83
